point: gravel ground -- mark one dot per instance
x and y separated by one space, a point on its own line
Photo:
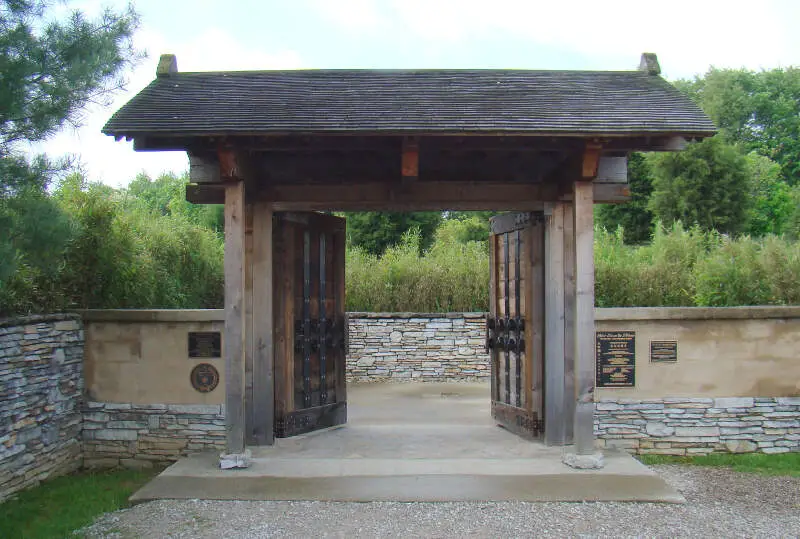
721 503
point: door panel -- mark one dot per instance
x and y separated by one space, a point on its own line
310 391
515 322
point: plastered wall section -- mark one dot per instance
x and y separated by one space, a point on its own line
725 352
142 357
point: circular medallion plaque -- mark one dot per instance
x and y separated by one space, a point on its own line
204 377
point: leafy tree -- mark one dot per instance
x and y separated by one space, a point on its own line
375 231
635 216
466 226
50 70
726 95
470 228
759 110
772 205
793 225
34 231
706 184
777 119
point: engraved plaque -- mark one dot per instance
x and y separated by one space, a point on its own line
615 354
205 344
204 377
663 351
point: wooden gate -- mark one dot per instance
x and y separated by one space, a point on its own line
310 322
515 323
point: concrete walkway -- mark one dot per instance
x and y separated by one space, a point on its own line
411 442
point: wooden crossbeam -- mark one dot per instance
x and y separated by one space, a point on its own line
421 196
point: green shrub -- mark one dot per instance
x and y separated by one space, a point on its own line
117 254
750 272
450 276
656 274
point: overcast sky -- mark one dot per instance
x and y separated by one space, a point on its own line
688 37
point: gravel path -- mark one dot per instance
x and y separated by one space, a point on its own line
721 503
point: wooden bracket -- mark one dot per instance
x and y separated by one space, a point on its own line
229 166
410 159
235 165
591 160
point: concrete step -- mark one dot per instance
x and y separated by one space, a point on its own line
409 480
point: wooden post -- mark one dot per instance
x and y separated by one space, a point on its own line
249 340
234 317
493 372
534 331
554 420
569 321
263 401
584 318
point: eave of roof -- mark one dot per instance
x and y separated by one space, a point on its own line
406 102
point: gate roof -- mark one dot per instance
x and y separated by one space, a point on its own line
410 102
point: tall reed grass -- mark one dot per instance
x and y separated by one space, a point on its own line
679 267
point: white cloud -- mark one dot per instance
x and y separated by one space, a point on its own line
361 15
688 35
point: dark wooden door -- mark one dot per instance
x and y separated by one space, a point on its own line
310 323
515 322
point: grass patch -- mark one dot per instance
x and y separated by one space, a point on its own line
59 506
780 464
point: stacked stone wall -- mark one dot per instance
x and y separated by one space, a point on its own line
41 385
413 346
690 426
141 435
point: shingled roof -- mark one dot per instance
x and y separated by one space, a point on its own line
612 103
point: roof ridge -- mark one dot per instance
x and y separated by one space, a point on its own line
411 70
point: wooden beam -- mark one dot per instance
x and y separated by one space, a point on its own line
415 196
554 420
203 169
263 326
584 318
612 169
234 318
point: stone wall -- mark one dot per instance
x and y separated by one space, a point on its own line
427 347
687 426
139 435
41 385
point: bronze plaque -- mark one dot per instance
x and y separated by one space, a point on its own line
616 358
205 344
663 351
204 377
